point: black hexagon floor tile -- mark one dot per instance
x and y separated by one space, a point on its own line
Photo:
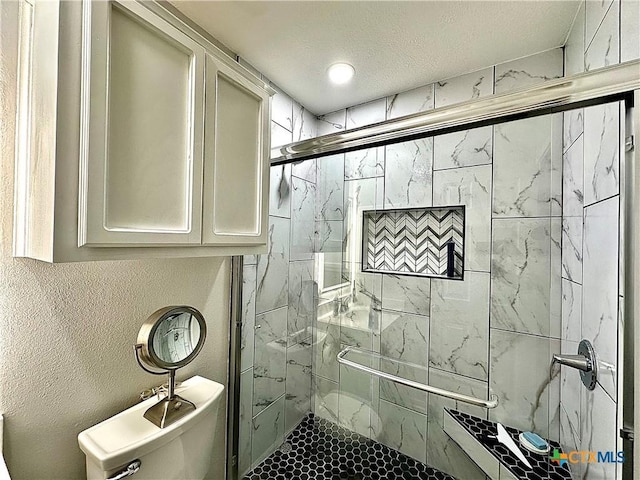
321 450
543 469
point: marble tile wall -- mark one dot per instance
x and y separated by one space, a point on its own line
468 335
279 299
604 33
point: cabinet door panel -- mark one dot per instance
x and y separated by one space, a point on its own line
236 159
143 168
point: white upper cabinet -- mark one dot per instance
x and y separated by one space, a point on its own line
152 143
236 171
142 166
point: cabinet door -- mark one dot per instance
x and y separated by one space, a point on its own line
236 170
142 129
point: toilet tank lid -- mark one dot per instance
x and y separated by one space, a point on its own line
128 435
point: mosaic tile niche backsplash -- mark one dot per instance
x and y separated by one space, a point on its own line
427 242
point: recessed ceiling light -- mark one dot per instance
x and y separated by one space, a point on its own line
341 73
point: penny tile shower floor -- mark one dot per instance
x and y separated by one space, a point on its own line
318 449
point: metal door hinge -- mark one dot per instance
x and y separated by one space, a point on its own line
626 433
234 461
629 143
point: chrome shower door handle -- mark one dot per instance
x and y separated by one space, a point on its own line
585 361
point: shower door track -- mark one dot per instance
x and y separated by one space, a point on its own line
590 88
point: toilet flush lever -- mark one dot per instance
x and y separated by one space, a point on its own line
131 469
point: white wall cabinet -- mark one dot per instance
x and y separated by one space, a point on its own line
137 138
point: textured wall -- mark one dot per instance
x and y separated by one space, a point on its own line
67 331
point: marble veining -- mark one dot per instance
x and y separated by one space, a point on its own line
332 122
571 311
522 168
330 187
404 337
573 180
302 219
573 126
600 288
595 13
463 149
529 71
359 195
268 431
469 186
572 231
601 152
527 401
574 48
403 430
407 294
298 384
604 49
460 325
365 163
597 432
520 275
249 273
408 174
326 347
305 170
571 391
355 400
304 123
302 294
269 370
443 452
412 101
325 398
366 113
273 267
464 87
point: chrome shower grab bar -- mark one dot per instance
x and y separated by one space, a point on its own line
491 403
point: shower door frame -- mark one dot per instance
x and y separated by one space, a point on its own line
617 83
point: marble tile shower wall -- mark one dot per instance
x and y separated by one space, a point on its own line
604 33
493 332
278 300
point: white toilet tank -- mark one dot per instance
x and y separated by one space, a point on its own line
181 451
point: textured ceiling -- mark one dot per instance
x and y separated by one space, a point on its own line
394 46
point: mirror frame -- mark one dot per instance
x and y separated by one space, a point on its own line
149 327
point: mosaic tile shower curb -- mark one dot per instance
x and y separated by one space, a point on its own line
414 241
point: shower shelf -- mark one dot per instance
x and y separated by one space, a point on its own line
376 364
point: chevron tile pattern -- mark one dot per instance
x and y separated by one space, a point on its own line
413 242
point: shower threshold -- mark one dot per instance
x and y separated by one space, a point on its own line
321 450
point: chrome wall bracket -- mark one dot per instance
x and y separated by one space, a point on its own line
585 361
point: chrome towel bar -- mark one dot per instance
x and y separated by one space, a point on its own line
491 403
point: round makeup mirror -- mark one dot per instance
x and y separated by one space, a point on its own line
169 339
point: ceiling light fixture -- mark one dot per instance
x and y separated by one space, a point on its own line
341 73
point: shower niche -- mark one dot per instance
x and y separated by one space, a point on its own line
425 242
